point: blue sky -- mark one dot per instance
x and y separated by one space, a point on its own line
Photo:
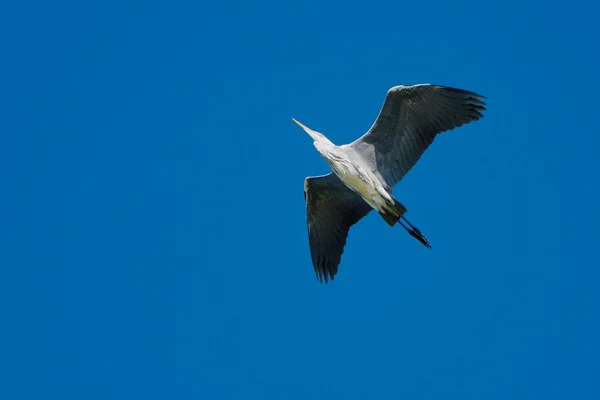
153 240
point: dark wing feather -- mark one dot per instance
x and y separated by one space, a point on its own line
331 209
409 121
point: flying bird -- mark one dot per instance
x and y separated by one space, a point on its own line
366 170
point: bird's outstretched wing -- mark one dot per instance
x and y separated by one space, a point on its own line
331 209
409 121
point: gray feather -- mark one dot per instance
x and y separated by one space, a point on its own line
409 121
331 209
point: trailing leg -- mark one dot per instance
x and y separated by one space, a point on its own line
415 232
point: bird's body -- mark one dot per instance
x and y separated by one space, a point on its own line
353 173
366 170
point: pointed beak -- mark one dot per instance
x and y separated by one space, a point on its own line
299 123
315 135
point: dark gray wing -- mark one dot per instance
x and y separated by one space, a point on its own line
409 121
331 209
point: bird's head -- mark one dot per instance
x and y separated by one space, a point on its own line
320 141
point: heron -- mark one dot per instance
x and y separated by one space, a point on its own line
365 171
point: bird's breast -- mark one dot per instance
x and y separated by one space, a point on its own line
364 184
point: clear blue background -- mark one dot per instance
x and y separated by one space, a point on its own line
153 237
